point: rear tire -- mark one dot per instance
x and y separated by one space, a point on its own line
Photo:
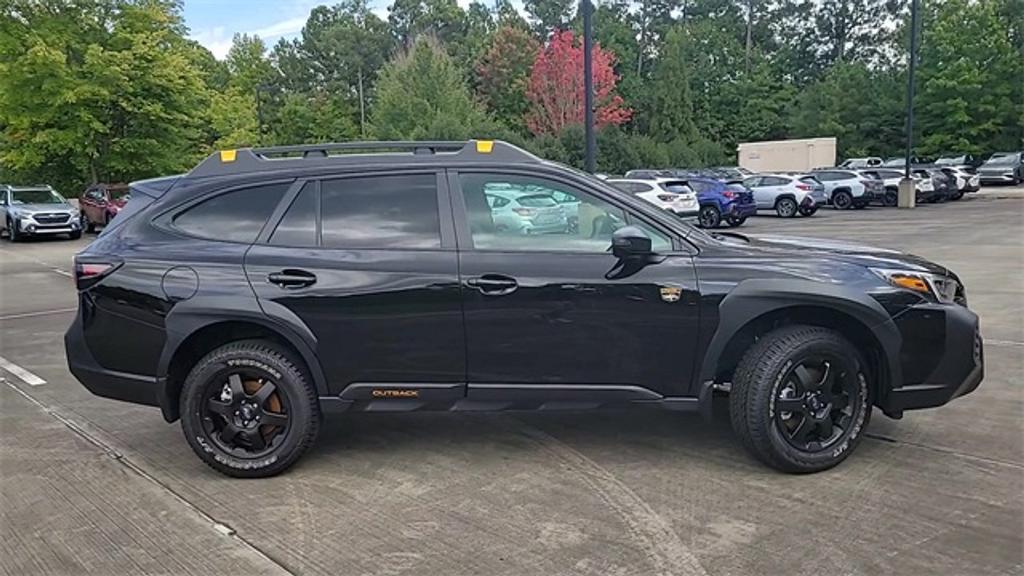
957 195
227 409
809 211
786 207
709 216
800 400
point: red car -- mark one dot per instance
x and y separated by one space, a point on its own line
100 203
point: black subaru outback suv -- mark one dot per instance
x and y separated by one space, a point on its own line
269 287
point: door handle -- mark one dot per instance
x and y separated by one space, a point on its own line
292 278
493 284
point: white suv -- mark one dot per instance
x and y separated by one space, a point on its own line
665 193
848 189
787 194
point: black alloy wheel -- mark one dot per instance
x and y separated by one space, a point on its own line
248 409
709 216
735 221
891 198
814 405
842 200
244 414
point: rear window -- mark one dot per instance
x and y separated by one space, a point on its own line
298 225
236 216
736 187
679 187
537 201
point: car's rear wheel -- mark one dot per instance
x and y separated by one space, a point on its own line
88 226
735 221
800 400
248 409
709 216
842 200
808 210
786 207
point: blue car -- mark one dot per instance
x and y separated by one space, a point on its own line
727 200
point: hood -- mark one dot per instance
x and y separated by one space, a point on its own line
849 252
34 208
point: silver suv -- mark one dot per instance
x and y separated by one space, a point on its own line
36 210
848 189
787 194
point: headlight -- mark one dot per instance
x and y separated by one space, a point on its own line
941 288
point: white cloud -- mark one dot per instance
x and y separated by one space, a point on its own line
218 40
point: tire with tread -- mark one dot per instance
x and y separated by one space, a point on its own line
293 379
842 200
709 216
786 207
755 380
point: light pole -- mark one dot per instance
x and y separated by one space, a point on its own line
588 88
907 192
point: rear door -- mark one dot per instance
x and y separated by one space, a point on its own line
367 263
552 315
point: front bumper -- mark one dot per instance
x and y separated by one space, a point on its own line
942 357
136 388
996 178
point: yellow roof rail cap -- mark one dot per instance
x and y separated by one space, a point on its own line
227 155
484 146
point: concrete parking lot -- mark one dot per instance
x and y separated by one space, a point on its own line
93 486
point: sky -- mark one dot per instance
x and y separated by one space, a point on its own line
212 23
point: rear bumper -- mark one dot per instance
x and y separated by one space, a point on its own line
954 370
135 388
741 210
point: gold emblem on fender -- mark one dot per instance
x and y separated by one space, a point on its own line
671 293
395 393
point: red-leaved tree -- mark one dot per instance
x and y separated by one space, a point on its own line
555 90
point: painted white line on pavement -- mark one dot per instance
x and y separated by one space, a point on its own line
1003 342
34 314
24 375
63 272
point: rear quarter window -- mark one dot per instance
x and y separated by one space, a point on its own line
235 216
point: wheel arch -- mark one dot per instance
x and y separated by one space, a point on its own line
783 196
756 307
198 335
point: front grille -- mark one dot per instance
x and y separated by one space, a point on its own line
51 218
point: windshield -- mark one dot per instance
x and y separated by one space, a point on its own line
36 196
948 160
1003 159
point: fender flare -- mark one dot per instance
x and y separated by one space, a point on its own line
189 317
752 299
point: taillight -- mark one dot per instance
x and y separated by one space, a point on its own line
803 186
88 273
524 211
729 194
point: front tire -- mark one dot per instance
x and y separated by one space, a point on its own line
12 231
709 216
808 211
891 198
842 200
248 409
800 400
735 221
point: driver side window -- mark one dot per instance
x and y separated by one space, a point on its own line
540 215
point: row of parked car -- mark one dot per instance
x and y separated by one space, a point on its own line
730 195
40 210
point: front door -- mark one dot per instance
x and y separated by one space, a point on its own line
368 265
557 312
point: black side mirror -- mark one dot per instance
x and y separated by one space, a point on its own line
630 242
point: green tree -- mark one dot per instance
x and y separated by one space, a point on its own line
668 111
970 78
503 73
442 19
97 91
421 94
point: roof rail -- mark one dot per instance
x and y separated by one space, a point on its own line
246 160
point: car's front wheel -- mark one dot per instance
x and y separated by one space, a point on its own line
800 400
709 216
12 231
249 410
735 221
842 200
891 198
808 210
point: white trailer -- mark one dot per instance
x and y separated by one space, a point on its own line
787 155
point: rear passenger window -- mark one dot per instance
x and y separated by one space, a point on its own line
380 212
298 226
236 216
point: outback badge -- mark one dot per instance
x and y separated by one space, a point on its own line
671 293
